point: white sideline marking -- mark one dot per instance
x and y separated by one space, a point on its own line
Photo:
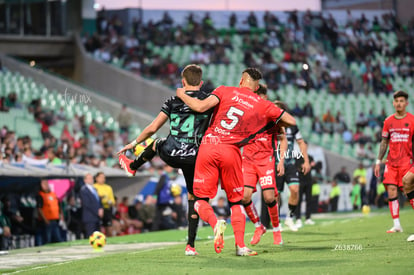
37 267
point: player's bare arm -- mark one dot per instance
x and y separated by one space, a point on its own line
283 148
196 104
381 154
304 150
151 129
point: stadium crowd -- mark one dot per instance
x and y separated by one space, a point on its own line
114 43
298 65
378 59
25 219
81 143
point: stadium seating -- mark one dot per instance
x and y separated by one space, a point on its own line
22 122
349 105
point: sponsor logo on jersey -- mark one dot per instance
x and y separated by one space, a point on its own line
183 152
268 172
198 180
221 131
398 137
238 189
241 101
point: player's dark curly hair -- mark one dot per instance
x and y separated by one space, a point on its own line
254 73
262 90
281 105
400 94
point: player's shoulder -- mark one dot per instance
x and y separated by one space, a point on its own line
410 116
203 94
170 100
389 118
220 88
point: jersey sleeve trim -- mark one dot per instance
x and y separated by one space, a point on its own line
278 119
165 112
216 97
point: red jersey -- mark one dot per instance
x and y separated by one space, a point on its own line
400 133
239 115
263 146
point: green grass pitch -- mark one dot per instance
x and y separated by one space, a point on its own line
338 244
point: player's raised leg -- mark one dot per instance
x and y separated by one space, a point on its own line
131 166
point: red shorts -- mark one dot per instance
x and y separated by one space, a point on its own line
394 175
262 171
218 161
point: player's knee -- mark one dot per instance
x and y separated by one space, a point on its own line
247 196
392 191
294 189
269 197
271 203
269 200
194 216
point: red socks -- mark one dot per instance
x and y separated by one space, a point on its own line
274 215
394 208
252 212
238 221
206 212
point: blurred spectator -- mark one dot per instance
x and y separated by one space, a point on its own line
106 195
92 208
252 20
232 20
49 215
74 216
342 176
179 213
308 110
163 215
147 213
360 176
317 126
356 195
361 120
297 111
129 225
334 196
372 120
5 231
3 107
61 114
124 119
221 209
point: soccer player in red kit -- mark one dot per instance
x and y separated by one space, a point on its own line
259 165
238 116
397 133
